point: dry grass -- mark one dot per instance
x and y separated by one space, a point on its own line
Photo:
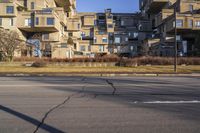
68 69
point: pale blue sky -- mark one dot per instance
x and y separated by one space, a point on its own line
123 6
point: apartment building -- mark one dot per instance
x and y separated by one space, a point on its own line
162 15
42 24
106 33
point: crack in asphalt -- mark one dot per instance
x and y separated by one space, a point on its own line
51 110
112 85
57 106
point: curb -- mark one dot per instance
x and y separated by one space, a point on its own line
101 75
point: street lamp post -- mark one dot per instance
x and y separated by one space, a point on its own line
175 40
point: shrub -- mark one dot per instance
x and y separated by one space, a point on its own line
39 63
119 61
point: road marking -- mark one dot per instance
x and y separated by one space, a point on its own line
168 102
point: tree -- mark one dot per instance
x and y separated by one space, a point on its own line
9 42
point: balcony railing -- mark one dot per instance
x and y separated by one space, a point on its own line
6 1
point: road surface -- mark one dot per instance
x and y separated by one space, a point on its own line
99 104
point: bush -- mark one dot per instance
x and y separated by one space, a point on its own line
39 63
119 61
158 61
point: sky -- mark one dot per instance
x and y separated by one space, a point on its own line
119 6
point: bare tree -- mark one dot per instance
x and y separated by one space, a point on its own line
9 42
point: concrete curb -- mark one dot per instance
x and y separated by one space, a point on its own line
101 75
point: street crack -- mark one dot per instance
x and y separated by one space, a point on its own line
112 85
50 111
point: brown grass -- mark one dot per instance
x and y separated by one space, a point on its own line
67 69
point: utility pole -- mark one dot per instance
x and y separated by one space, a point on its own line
175 40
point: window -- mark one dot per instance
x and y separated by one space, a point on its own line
190 23
0 21
95 40
126 39
78 26
46 36
118 48
110 26
179 23
32 5
117 39
122 23
70 34
101 32
63 45
131 48
36 21
11 22
101 48
104 40
191 8
135 35
109 17
95 22
89 47
82 47
9 9
27 22
197 23
83 34
50 21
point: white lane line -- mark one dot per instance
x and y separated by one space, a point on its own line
168 102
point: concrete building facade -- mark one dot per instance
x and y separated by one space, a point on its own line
53 28
40 23
162 15
108 33
49 25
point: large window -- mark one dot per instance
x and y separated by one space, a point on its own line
50 21
9 9
179 23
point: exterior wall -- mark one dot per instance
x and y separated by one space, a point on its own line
163 21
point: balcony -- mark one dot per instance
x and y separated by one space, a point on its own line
165 13
185 23
39 21
66 3
153 6
6 1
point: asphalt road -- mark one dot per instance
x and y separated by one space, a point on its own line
100 105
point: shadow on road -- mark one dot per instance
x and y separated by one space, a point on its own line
31 120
